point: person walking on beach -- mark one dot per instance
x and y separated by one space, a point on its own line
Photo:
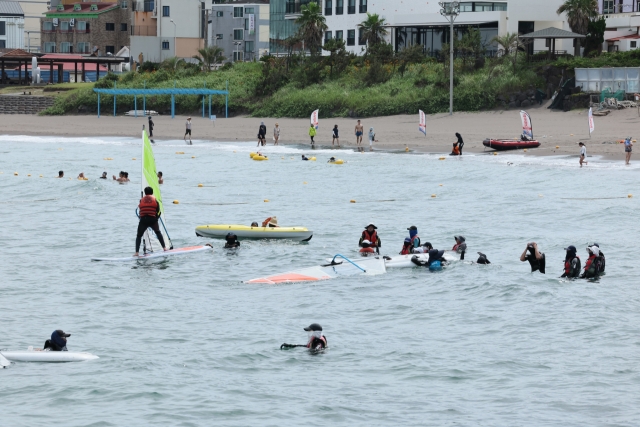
150 127
627 150
262 133
312 133
583 154
359 131
335 138
372 138
187 129
276 134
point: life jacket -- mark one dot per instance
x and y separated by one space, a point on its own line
456 151
367 251
373 237
406 249
266 222
567 268
456 246
591 266
415 239
148 206
314 341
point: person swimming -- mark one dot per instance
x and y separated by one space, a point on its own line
160 178
81 177
332 160
104 175
434 262
316 342
231 241
60 174
482 259
304 157
120 178
58 341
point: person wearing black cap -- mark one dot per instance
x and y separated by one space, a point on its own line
371 235
413 236
482 259
534 256
58 341
572 264
317 340
231 241
460 246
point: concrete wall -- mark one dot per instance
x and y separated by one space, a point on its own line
33 12
187 48
149 47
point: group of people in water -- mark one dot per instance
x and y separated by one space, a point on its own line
594 265
122 177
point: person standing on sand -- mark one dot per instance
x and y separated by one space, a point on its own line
262 134
336 137
359 132
276 134
150 127
372 138
583 154
187 129
627 150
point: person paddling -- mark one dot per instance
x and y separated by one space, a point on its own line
371 235
317 340
572 263
149 212
58 341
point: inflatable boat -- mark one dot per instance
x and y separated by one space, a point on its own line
47 356
509 144
219 231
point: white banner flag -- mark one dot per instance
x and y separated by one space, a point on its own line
314 119
252 24
591 124
423 122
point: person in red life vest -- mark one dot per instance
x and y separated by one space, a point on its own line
366 248
601 259
271 222
371 235
592 266
149 212
572 264
317 340
413 236
407 247
460 246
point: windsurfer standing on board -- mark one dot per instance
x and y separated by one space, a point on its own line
149 214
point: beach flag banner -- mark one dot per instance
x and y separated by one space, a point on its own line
527 129
423 123
314 119
592 126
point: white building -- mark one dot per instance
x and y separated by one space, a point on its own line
11 25
413 22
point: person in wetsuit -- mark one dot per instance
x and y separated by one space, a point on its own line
460 247
434 255
572 264
460 142
601 259
58 341
317 340
231 241
482 259
592 265
149 212
534 256
371 235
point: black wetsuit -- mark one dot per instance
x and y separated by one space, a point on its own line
536 264
460 143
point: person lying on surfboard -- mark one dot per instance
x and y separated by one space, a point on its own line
149 214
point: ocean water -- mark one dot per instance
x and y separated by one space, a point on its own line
184 342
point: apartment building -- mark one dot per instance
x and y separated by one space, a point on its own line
412 22
164 29
97 27
11 25
241 28
623 24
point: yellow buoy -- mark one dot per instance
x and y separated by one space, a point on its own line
193 157
40 176
525 150
352 201
406 148
495 153
440 185
433 196
59 149
441 158
234 151
313 159
15 173
557 146
108 158
629 195
304 182
175 202
266 200
200 185
28 174
540 195
633 140
571 135
282 158
179 152
133 158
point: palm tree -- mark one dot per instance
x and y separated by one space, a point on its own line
579 12
209 56
373 30
172 64
312 26
511 43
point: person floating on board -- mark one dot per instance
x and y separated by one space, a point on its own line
592 265
150 127
149 212
534 256
460 142
371 235
312 133
58 341
104 175
304 157
602 260
572 264
271 222
60 174
331 160
160 178
460 247
317 340
231 241
407 247
482 259
413 236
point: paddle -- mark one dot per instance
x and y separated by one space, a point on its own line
285 345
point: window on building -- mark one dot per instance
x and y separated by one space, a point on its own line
351 37
327 36
110 49
166 11
466 7
633 44
219 13
65 47
339 7
165 45
328 7
483 7
46 26
110 26
218 36
238 34
249 10
500 6
50 47
339 35
123 27
81 26
124 4
3 28
3 44
246 24
351 8
83 47
363 6
608 6
238 12
64 25
238 56
248 46
361 40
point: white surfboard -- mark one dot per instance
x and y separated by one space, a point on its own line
160 254
47 356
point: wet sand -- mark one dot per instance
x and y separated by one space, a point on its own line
553 129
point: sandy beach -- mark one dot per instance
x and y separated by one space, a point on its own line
552 128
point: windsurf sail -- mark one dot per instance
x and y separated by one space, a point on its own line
527 129
314 119
150 179
592 125
423 123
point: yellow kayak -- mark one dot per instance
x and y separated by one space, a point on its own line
219 231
